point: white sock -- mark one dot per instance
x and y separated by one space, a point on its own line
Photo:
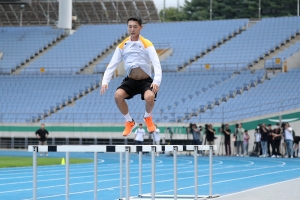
128 117
147 114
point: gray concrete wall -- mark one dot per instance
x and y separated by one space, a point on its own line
294 61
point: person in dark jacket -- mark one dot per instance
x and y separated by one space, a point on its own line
42 134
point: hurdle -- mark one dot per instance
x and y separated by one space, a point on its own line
127 149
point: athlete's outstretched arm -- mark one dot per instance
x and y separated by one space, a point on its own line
115 60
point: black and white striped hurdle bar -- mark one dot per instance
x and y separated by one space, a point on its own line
127 149
115 148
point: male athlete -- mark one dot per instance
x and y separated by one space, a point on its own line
138 54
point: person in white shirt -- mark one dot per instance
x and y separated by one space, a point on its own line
139 55
139 135
257 141
288 136
156 138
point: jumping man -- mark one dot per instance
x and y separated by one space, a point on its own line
138 54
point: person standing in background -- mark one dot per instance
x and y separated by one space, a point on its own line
156 138
257 142
234 144
227 133
210 134
246 142
201 138
239 140
288 136
270 141
42 134
264 140
139 135
196 136
276 141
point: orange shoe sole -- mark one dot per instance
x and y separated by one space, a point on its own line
130 131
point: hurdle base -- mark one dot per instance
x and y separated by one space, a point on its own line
213 196
168 197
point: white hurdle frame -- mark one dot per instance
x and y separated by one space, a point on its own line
130 149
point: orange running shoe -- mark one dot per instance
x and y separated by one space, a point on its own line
129 126
149 123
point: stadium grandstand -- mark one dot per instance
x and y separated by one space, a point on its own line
220 66
218 71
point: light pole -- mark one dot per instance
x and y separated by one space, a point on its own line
21 14
259 9
164 11
48 16
210 17
298 8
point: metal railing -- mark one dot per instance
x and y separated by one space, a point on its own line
43 70
192 67
274 64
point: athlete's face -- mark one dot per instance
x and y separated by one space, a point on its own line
134 30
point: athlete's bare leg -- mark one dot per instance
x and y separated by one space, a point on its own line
120 95
149 97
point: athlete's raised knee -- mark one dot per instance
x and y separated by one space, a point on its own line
120 95
149 96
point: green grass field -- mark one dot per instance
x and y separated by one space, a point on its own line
13 161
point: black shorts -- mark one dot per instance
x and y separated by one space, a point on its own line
133 87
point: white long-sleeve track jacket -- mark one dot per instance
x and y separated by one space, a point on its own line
135 54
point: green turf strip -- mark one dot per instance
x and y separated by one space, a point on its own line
13 161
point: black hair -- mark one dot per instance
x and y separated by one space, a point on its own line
140 124
135 18
269 125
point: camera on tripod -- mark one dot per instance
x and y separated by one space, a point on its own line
206 127
222 128
191 126
283 125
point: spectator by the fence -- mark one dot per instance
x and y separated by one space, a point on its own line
257 143
42 134
139 135
227 133
246 142
276 141
270 141
239 140
264 139
288 135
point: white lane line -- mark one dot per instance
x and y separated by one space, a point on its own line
229 180
29 171
46 180
87 191
146 166
82 172
79 177
150 175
